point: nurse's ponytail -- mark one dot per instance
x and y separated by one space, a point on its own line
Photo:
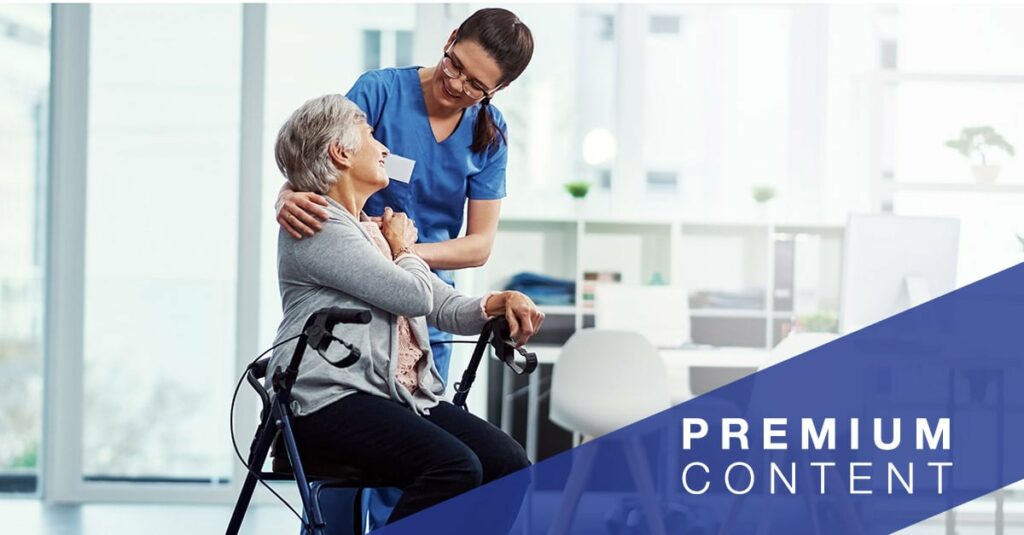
509 42
486 134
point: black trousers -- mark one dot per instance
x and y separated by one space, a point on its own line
431 458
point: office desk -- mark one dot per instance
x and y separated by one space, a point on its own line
679 363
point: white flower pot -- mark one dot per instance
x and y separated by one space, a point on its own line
764 211
985 174
579 207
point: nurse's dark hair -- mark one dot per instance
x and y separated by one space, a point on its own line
510 44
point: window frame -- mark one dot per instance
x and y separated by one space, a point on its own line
61 475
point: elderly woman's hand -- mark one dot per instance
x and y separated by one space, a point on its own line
399 231
524 318
300 213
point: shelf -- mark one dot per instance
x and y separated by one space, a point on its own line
836 229
552 310
652 222
512 220
892 76
660 221
954 187
727 313
724 226
569 310
739 313
683 249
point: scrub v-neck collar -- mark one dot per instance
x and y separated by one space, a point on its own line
426 115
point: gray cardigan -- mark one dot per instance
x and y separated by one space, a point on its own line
340 266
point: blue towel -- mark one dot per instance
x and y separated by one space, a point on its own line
544 289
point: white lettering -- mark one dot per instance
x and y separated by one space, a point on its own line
728 481
821 470
909 487
774 428
932 437
734 428
939 467
854 478
819 437
790 483
693 428
707 483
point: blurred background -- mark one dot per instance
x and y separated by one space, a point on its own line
718 151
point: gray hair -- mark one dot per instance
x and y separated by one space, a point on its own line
304 139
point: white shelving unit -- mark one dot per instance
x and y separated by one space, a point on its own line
716 255
676 251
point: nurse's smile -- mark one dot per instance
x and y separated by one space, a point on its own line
448 92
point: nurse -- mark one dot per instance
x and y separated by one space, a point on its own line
442 118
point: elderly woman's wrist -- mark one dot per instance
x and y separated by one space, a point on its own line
403 250
494 304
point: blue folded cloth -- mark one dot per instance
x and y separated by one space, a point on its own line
544 289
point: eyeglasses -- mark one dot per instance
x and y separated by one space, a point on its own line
452 68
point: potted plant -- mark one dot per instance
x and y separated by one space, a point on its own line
762 195
823 321
972 144
578 190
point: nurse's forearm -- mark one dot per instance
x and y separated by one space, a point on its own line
468 251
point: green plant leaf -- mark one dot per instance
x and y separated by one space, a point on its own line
763 194
577 189
973 139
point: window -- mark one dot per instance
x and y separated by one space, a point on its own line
371 49
959 66
715 83
678 89
960 39
403 47
553 106
24 97
927 113
161 234
595 146
953 47
313 50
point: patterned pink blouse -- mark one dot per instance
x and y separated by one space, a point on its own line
409 352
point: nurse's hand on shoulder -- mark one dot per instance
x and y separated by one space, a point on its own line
301 213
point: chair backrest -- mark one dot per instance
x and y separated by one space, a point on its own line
607 379
660 313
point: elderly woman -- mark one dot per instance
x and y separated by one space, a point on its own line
384 414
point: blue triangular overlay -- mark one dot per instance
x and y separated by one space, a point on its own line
958 357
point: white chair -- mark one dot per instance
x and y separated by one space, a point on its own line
605 380
660 313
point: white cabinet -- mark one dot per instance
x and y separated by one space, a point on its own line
746 280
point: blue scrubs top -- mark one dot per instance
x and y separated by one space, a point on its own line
446 174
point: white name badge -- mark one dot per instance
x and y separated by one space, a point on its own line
399 168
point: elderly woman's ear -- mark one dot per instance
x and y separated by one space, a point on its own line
340 156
